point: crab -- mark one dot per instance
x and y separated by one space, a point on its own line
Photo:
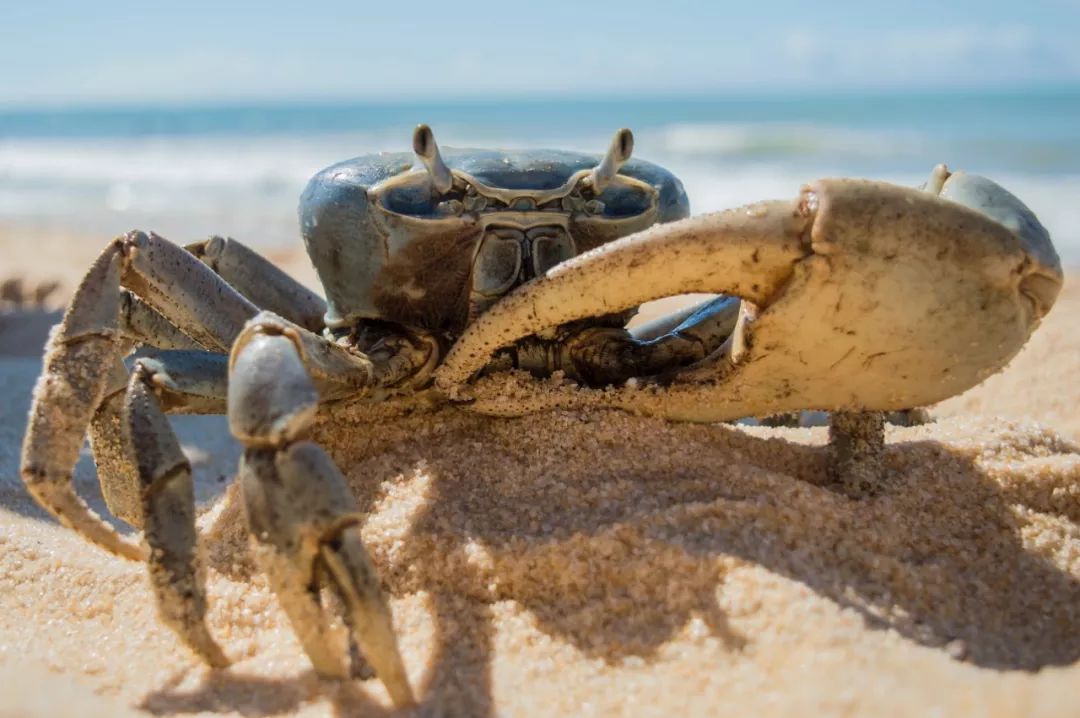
447 273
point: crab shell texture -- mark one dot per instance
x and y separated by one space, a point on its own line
388 247
858 295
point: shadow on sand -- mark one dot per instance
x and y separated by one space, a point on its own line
615 552
611 534
223 691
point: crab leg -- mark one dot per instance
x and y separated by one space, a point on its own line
85 349
604 355
177 285
80 364
261 281
302 516
144 325
168 500
857 439
80 355
144 476
183 382
140 324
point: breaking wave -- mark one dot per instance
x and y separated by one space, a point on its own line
246 184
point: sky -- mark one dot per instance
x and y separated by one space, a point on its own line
70 53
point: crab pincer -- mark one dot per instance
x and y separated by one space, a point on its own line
858 295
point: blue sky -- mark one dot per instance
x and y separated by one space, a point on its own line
123 52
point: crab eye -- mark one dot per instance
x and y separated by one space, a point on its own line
625 201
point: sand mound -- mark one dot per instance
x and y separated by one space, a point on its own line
571 563
590 563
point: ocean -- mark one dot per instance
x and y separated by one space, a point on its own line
188 172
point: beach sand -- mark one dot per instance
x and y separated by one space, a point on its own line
596 563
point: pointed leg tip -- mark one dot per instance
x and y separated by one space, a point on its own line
400 693
218 662
368 613
206 648
327 666
216 658
61 501
132 551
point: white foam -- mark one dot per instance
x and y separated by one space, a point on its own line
1054 199
784 139
248 186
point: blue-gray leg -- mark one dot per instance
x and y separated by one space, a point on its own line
167 499
181 303
184 382
258 279
142 325
601 356
84 351
305 522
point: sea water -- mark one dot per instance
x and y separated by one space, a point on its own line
191 171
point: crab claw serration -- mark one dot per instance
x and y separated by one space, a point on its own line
860 295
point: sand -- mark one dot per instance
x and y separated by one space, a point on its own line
596 563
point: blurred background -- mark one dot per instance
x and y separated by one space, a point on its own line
207 117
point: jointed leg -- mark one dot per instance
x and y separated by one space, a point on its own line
146 479
312 535
857 441
303 518
603 356
168 499
85 349
184 382
182 304
80 364
261 281
143 325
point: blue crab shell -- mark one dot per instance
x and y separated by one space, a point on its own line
383 249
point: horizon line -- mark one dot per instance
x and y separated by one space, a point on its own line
734 93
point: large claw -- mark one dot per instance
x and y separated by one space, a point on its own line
860 295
